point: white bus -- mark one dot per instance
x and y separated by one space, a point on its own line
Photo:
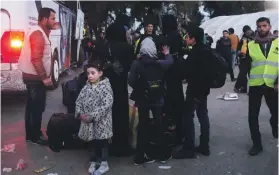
17 17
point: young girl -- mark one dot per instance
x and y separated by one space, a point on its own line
94 105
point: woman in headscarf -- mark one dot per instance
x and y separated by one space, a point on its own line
174 95
118 49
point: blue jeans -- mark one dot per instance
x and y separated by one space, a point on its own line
233 58
35 107
200 106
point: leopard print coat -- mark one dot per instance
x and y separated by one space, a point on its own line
95 101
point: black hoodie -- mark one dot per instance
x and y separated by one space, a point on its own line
197 71
224 48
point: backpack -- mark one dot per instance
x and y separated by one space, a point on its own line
71 90
153 81
219 68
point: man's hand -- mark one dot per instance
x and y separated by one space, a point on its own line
165 50
47 82
138 56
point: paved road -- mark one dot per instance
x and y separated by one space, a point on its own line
230 141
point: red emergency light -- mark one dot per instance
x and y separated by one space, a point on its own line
11 46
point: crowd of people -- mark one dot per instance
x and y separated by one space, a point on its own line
155 67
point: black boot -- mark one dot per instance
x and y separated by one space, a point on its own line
242 90
274 129
184 154
255 150
203 150
275 132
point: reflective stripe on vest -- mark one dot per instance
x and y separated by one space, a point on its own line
136 45
263 70
263 76
261 63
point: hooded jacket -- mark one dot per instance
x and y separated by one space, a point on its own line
95 101
154 38
134 79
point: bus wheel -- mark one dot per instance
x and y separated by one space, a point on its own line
55 71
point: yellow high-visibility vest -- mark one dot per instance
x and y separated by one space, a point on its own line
263 70
244 47
136 45
84 31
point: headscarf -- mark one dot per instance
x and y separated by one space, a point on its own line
148 47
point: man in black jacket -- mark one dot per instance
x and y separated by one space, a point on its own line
224 48
198 76
149 33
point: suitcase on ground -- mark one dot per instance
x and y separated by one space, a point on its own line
62 130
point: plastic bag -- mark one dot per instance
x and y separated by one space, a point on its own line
10 148
21 165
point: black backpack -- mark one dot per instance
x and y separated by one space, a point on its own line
71 90
219 68
153 81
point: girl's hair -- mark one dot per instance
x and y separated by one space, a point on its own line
98 64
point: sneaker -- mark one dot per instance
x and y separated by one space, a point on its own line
236 90
255 150
104 168
243 90
203 151
166 159
184 154
92 168
40 141
275 133
144 160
